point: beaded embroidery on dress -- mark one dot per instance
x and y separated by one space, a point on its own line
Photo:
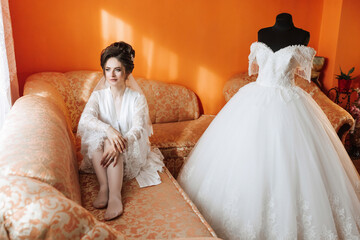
270 165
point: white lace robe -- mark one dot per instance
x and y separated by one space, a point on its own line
140 160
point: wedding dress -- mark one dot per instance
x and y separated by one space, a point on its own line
140 160
270 165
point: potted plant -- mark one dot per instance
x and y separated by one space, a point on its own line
344 80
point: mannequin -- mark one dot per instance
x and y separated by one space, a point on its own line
283 33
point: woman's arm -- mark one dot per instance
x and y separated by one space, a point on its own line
90 120
138 120
90 117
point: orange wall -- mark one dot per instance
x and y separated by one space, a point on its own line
339 39
195 43
328 40
348 48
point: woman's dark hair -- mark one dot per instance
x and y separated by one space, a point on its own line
122 51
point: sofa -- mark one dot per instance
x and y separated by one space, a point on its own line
43 195
174 110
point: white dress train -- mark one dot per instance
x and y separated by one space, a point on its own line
270 165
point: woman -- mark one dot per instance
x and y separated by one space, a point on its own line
115 128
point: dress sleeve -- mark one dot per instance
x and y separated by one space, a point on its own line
253 66
91 129
304 57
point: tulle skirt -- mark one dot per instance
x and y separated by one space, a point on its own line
271 166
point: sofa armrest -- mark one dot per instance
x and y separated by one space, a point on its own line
235 83
40 145
31 209
37 86
340 119
73 87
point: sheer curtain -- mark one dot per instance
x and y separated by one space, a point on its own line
9 89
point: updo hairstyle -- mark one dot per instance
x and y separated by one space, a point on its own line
122 51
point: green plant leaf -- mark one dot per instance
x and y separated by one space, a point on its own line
341 72
351 70
345 76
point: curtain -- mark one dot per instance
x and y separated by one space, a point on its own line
9 88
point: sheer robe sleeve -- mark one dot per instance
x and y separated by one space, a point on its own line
139 120
253 66
142 162
135 86
91 129
304 58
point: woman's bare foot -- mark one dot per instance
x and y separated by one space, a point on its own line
102 198
115 208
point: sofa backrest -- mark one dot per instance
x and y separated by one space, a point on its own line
167 102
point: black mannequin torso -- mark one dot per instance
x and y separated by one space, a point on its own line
283 33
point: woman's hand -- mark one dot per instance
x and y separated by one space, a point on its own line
110 155
117 141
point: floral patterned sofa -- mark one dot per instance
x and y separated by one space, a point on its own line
341 120
42 194
174 110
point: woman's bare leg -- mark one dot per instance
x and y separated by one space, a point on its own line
102 198
115 181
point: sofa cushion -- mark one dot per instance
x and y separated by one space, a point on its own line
176 140
158 212
44 148
174 164
30 209
169 102
179 134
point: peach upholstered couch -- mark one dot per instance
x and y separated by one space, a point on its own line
341 120
42 194
174 110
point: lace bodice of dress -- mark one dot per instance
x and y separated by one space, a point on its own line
278 68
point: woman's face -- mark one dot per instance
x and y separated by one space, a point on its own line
115 72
